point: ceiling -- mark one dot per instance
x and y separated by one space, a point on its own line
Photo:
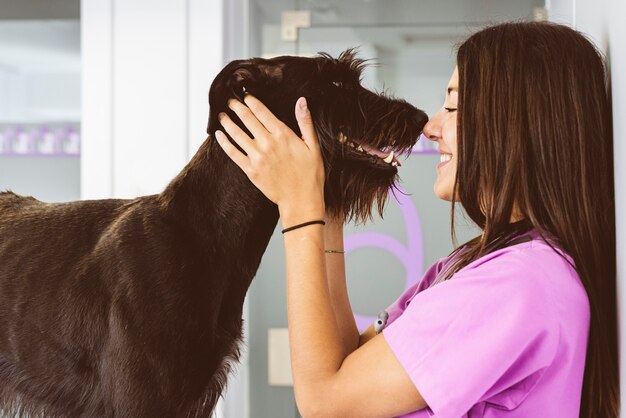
39 36
400 12
391 25
39 9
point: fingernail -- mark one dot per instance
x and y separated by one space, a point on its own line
221 115
302 104
218 135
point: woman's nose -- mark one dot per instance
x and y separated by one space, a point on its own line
432 129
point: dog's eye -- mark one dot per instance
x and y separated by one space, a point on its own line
338 84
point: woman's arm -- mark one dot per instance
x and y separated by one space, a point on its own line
369 382
367 335
336 276
315 342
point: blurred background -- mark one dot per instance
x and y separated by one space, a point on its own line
108 98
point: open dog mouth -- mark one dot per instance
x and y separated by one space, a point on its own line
377 156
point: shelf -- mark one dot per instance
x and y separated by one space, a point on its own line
40 140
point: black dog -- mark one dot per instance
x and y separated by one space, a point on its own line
132 308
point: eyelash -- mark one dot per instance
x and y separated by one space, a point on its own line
449 109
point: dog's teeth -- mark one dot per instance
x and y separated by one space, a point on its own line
394 164
389 158
360 148
342 138
351 144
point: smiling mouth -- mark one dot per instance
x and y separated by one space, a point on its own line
444 158
388 158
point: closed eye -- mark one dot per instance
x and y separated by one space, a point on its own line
450 109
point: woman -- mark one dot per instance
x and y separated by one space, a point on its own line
518 322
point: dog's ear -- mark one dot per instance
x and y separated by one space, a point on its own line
252 75
237 78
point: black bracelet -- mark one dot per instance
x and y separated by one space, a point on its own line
304 224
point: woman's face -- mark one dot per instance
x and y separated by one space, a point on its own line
441 128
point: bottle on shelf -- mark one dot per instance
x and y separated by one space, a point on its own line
71 143
22 142
40 140
45 141
3 142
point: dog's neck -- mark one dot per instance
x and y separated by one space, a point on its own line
216 201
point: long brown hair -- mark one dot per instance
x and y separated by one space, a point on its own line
535 129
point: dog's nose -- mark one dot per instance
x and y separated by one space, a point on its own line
422 119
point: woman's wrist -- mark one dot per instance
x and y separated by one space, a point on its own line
333 234
294 214
333 222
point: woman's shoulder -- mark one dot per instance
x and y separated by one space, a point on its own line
536 268
532 265
529 253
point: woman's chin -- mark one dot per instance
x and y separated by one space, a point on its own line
442 192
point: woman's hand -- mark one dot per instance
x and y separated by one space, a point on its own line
287 169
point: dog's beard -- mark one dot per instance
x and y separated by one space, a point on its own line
355 193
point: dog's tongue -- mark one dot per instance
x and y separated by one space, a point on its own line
380 154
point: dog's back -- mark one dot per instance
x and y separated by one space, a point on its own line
10 202
47 293
106 310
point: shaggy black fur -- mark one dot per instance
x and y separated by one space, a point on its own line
132 308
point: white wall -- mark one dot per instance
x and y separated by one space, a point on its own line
603 21
149 94
97 99
147 69
617 51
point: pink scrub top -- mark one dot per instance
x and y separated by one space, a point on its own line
506 336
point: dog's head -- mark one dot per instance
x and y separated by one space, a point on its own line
357 129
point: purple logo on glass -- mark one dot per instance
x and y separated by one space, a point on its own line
410 254
424 146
